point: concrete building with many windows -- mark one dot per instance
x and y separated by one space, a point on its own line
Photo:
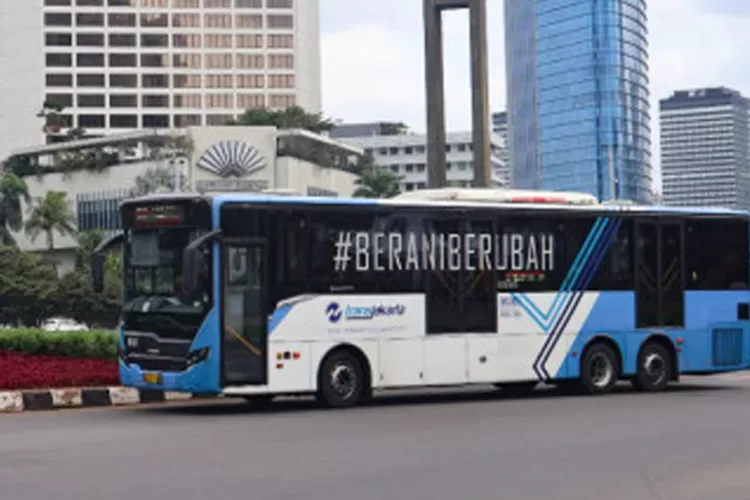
578 96
705 159
406 155
121 65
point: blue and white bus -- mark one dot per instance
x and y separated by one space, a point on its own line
260 295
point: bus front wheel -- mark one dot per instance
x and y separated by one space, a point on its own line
341 380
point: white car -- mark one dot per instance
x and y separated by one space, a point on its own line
63 325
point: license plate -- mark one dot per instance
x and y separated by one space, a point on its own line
152 378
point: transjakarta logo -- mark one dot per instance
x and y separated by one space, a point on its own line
335 312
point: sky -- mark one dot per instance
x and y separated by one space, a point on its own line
372 57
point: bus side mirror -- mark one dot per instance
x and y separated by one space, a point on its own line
194 266
192 272
97 272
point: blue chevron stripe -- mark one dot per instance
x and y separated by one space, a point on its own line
546 320
590 272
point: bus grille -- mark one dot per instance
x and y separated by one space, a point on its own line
727 346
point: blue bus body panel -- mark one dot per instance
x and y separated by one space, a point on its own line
202 378
713 339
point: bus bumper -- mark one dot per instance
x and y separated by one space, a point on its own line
197 379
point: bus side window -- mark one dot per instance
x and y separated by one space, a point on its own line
717 254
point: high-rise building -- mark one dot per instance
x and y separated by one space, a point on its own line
578 96
705 159
120 65
406 155
500 128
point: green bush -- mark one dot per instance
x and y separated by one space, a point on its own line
93 344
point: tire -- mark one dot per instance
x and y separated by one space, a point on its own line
600 369
654 369
341 381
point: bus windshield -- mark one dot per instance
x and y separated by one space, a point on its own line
154 271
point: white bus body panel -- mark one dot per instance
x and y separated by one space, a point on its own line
390 330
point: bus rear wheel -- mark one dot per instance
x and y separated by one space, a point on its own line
341 380
600 369
654 368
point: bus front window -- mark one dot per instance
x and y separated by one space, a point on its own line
154 267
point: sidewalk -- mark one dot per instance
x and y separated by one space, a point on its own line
35 400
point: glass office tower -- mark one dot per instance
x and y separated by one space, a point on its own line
578 97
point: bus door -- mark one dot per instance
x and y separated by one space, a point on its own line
660 281
243 321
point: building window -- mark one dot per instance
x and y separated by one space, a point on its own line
249 41
187 41
250 61
154 81
193 101
156 121
91 121
282 101
154 20
283 21
90 80
181 121
280 41
123 81
281 81
90 60
121 20
186 4
100 211
217 21
279 4
193 61
123 61
219 61
121 40
281 61
218 4
154 60
91 100
219 81
155 101
57 3
90 3
123 121
59 60
123 101
90 40
58 40
59 80
251 81
154 40
187 81
89 19
220 101
250 101
64 100
186 20
250 21
57 19
249 4
155 4
219 41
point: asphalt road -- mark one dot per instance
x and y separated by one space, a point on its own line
692 442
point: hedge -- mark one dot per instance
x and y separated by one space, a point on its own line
90 345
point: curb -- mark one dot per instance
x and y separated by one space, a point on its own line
52 399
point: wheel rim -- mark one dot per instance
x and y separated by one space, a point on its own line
601 371
344 380
655 368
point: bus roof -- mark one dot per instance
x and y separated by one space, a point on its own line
454 197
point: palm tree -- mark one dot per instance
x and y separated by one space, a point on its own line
377 183
49 215
13 191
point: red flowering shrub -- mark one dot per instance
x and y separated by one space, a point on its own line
28 371
35 359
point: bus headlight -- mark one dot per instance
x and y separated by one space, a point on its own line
198 356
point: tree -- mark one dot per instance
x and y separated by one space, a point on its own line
394 128
291 117
13 191
376 182
49 215
28 288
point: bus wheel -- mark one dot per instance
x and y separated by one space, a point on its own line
600 369
341 380
654 368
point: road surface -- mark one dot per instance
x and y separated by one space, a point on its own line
692 442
